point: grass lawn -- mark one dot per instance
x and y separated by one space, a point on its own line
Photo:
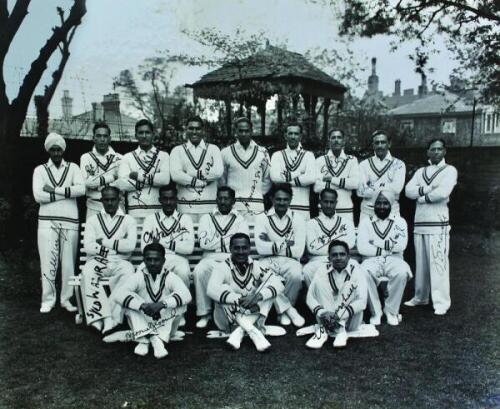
46 361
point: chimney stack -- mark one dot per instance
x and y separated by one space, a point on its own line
67 105
422 89
397 88
373 79
111 107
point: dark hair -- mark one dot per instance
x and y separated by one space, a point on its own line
237 236
113 188
171 187
222 189
142 122
101 124
294 123
243 119
436 140
334 243
195 118
336 130
328 190
284 187
381 132
155 246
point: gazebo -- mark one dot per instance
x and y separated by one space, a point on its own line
272 71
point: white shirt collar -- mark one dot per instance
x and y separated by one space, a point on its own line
51 164
201 145
110 151
323 216
272 212
289 150
391 216
174 215
388 157
341 156
119 212
441 163
216 212
239 146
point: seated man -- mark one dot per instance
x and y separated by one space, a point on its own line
154 300
337 297
243 293
321 230
382 240
109 240
280 238
214 232
173 230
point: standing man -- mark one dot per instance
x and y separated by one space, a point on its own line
172 230
142 172
99 167
337 297
431 186
340 172
154 300
382 241
246 171
296 166
215 232
56 185
109 240
381 171
196 166
280 239
243 293
321 230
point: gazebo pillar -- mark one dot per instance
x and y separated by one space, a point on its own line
280 112
248 107
262 112
326 107
227 102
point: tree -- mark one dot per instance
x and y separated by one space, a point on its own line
470 29
13 113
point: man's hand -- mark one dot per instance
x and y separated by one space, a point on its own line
330 321
264 237
152 309
99 241
250 301
327 178
48 189
133 175
290 243
371 242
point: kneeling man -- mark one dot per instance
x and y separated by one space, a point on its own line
154 300
109 241
382 240
243 293
337 297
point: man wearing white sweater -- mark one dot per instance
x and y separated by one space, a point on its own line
196 166
246 171
431 187
142 172
109 240
280 239
173 230
321 230
99 167
382 240
56 185
381 171
214 233
340 172
296 166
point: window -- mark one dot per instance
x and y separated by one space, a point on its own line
406 125
449 126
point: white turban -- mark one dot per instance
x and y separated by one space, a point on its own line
388 194
54 139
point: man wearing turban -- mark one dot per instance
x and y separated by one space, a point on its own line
56 185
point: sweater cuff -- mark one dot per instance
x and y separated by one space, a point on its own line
132 302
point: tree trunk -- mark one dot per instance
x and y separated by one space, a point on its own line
42 116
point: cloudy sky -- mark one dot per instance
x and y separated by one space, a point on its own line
120 34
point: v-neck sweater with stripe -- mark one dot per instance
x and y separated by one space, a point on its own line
431 186
58 209
388 237
321 230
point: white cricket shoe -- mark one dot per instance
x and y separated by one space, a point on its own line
203 321
414 302
158 347
236 337
318 339
284 320
274 331
45 308
69 307
340 340
178 336
438 311
119 336
295 317
392 319
375 320
259 340
141 349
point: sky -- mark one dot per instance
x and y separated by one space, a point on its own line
120 34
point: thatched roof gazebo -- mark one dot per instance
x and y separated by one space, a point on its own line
272 71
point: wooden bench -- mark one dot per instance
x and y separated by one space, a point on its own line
136 259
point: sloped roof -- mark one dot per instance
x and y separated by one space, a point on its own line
271 64
438 103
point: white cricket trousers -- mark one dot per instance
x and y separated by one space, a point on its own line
143 326
201 277
396 272
57 247
310 269
290 270
432 272
224 318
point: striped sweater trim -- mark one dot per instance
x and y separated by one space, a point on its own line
243 163
58 219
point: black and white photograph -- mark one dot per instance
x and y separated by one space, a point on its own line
242 204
